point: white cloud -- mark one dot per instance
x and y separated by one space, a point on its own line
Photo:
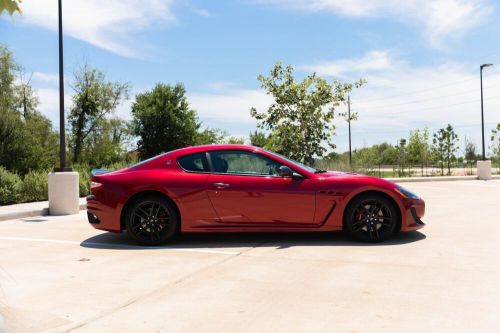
51 78
49 104
219 86
202 12
105 24
439 19
401 97
229 106
373 61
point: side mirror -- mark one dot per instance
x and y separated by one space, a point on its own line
285 171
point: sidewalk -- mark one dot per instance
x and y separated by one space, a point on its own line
435 179
29 209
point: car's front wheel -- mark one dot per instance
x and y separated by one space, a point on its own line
151 220
371 217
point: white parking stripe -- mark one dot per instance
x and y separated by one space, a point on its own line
118 246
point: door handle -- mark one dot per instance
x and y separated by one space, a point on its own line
221 185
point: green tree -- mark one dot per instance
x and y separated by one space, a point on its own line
388 154
27 140
495 142
418 148
258 139
163 120
235 140
402 151
11 6
12 148
41 144
26 98
301 117
106 145
210 136
8 68
95 99
470 153
445 143
365 159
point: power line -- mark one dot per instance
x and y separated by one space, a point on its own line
430 128
469 91
444 106
428 89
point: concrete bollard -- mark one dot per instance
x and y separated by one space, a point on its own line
63 193
484 170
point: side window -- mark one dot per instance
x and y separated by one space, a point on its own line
194 162
241 162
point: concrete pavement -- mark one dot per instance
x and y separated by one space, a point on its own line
57 274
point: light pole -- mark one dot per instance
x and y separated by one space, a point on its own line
62 130
482 112
349 122
63 183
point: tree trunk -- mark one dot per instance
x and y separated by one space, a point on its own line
78 139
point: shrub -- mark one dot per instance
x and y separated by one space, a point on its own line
10 187
84 178
35 186
85 175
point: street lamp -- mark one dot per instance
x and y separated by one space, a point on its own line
63 183
62 130
482 113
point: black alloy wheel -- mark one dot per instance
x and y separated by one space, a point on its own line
151 220
371 218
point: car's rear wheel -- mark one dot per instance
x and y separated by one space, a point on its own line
151 220
371 217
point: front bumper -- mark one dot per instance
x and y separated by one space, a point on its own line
415 210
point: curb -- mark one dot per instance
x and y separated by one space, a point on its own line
31 213
436 179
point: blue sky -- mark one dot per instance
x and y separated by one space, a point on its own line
420 58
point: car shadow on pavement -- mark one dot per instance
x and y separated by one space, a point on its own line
234 240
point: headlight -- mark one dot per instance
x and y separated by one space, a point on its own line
95 185
406 193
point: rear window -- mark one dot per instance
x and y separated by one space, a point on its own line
194 162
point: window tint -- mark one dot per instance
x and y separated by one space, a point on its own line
240 162
194 162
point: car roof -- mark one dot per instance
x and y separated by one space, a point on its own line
159 159
212 147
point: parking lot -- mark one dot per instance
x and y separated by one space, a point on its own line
57 274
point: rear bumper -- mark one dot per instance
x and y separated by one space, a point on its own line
101 216
414 213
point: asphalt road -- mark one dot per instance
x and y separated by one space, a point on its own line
57 274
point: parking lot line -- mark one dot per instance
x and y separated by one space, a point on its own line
118 246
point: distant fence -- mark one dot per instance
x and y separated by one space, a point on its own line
407 171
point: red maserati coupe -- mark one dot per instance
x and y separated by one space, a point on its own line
239 188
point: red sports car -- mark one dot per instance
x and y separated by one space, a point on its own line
239 188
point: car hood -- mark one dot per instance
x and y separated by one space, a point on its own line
357 178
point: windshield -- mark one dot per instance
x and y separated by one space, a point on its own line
300 165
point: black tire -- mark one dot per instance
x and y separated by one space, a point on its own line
151 220
371 218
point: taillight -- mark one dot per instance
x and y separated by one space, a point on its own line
95 185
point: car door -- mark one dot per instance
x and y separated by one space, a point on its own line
244 188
